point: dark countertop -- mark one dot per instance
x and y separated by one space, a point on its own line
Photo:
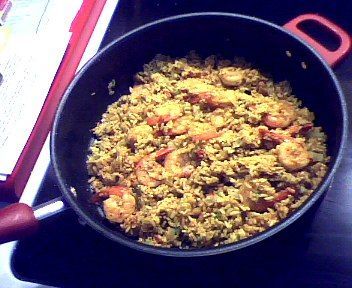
316 251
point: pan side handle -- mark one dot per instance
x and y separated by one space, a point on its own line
19 220
331 57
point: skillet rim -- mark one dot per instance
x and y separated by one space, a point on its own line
176 252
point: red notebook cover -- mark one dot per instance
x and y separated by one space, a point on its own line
3 3
82 28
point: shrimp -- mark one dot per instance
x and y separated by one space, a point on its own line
217 120
261 205
114 190
295 130
120 204
213 100
293 155
271 139
281 118
229 76
140 131
105 193
149 171
178 164
165 113
179 126
203 131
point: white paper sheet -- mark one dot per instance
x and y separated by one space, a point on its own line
24 17
28 62
28 72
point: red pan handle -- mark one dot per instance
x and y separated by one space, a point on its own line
20 220
331 57
17 221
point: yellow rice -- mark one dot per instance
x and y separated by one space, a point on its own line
206 208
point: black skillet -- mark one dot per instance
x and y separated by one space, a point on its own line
273 49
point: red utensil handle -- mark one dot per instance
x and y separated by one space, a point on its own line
331 57
17 221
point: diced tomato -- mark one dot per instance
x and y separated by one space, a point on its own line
161 154
272 136
283 194
200 154
205 136
159 133
306 128
152 121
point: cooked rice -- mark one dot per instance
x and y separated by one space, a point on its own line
216 203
